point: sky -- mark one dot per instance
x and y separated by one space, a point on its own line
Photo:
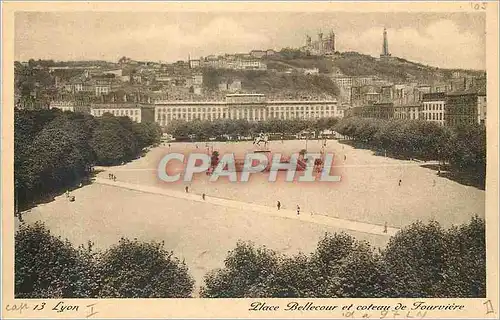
446 40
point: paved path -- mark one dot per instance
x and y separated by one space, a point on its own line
414 163
245 206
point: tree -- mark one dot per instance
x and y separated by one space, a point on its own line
245 269
107 142
293 278
48 267
178 128
465 270
415 259
345 267
133 269
62 157
146 133
468 149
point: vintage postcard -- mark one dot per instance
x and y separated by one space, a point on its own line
250 160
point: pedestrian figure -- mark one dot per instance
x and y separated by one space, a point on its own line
345 157
114 178
80 185
279 205
20 217
196 146
385 227
187 189
203 196
298 210
109 176
169 145
67 193
399 182
439 172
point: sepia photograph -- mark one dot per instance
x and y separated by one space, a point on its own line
305 155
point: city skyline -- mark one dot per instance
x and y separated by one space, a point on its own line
175 36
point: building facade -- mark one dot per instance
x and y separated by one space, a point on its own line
481 105
408 112
433 107
63 105
465 107
251 107
133 111
72 106
375 110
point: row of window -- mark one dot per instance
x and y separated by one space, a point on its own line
456 121
164 118
213 109
433 116
120 112
433 106
462 110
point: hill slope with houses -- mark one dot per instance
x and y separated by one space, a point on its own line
288 74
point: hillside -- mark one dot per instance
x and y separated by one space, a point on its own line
274 84
397 70
285 79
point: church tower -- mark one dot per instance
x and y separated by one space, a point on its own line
332 41
321 45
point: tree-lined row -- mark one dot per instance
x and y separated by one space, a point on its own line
464 146
49 267
203 130
54 149
422 260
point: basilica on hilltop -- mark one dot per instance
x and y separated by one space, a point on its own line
324 46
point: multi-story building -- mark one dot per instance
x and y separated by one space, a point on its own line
239 62
464 107
481 104
258 53
194 64
375 110
197 79
362 80
433 107
407 112
250 64
69 106
252 107
63 105
133 111
343 81
102 89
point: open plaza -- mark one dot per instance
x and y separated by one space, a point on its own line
375 192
